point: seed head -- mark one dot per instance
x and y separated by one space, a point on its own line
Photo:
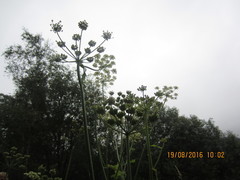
88 50
92 43
61 44
101 49
90 59
83 25
107 35
56 27
78 53
74 47
76 37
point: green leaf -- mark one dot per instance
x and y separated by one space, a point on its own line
156 146
132 161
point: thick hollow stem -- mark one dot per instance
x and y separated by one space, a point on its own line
149 155
147 136
159 155
139 162
129 174
100 152
69 163
85 121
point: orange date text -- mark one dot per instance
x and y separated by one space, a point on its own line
195 154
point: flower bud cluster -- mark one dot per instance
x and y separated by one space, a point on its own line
90 59
56 27
92 43
58 57
74 47
76 37
121 109
74 50
166 92
83 25
78 53
61 44
88 50
107 35
100 49
142 88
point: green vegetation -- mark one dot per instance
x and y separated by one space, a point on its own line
62 123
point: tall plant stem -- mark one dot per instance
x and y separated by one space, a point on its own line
129 174
100 152
149 155
159 155
85 120
107 152
139 162
119 156
69 163
101 161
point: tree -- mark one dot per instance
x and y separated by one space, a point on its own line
45 107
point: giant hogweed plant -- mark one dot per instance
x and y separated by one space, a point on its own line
87 59
123 119
130 119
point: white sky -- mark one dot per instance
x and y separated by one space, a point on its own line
193 44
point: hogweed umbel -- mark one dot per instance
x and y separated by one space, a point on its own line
84 60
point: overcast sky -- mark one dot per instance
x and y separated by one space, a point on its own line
193 44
